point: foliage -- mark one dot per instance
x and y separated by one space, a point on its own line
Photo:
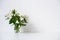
17 20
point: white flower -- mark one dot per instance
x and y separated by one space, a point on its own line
17 22
21 18
17 14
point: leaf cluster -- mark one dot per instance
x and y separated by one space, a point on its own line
17 20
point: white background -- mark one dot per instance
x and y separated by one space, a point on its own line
44 19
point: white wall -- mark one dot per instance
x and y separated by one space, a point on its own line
44 19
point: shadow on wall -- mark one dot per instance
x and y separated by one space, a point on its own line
29 28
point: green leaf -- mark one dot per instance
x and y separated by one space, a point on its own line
13 11
25 20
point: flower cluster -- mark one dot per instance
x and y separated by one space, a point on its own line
16 19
